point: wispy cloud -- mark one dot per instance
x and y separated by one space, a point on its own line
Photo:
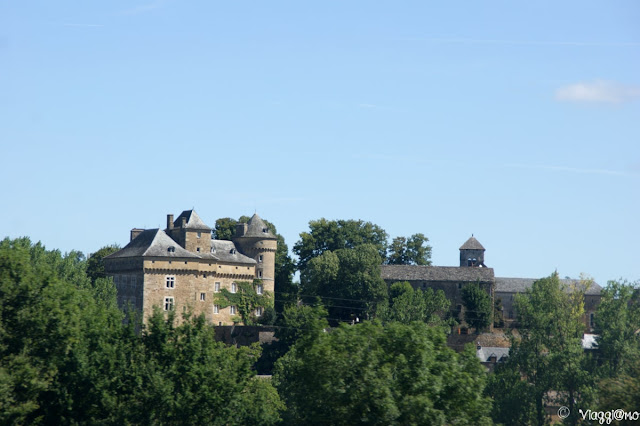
572 169
521 42
598 91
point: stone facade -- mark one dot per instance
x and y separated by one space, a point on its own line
182 268
472 270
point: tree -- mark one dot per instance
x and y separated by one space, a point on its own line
407 305
95 264
246 299
617 324
478 308
331 235
547 356
366 373
348 281
411 251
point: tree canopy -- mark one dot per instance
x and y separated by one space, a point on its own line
478 307
348 281
367 373
407 305
409 251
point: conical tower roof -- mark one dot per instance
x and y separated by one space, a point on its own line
192 219
472 244
257 228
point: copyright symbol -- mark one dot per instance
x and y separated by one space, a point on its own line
618 414
563 412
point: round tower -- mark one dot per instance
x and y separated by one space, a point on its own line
255 240
472 253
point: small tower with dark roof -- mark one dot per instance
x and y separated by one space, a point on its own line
472 253
254 239
190 232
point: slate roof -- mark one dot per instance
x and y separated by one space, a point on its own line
520 285
436 273
193 221
256 228
226 251
152 243
484 353
472 244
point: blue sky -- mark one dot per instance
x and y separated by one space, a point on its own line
519 123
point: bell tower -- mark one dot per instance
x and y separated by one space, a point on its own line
472 253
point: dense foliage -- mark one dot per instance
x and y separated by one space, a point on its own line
370 374
478 311
66 357
407 305
348 281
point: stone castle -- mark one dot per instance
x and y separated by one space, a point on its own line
182 267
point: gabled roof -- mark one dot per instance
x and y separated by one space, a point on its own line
152 243
193 221
472 244
226 251
257 228
484 353
520 285
435 273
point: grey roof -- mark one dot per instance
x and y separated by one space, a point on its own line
193 221
226 251
152 243
257 228
472 244
484 353
435 273
590 341
520 285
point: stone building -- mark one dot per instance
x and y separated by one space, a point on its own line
472 270
181 267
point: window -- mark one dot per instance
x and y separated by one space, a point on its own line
168 303
459 286
216 287
216 309
171 249
198 249
234 288
202 296
259 289
232 310
260 259
592 320
259 311
199 234
259 274
171 281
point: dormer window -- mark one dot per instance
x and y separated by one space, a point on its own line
232 251
213 250
171 249
265 230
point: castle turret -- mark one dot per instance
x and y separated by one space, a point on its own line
190 232
472 253
256 241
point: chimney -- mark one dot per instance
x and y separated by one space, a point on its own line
241 229
169 221
135 232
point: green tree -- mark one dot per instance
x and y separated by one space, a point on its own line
331 235
366 373
95 264
409 251
547 356
407 305
348 281
617 324
478 308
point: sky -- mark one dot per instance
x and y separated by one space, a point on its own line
517 122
